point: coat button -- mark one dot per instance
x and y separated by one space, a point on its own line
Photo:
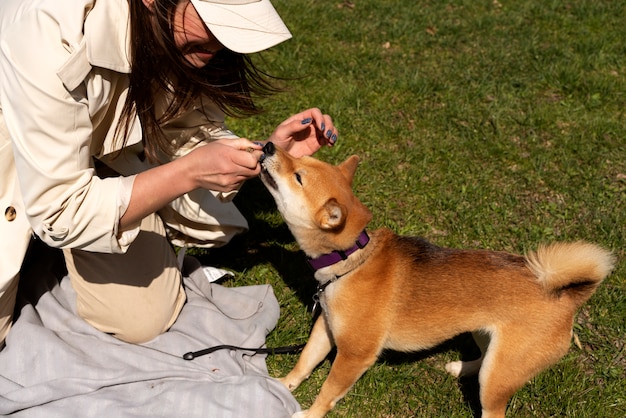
10 214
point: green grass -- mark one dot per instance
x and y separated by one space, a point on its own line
495 124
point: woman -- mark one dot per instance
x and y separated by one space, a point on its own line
113 143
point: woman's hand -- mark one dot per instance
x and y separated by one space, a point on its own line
223 165
305 133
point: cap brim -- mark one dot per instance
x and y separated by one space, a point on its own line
244 28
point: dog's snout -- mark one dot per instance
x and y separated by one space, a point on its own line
269 148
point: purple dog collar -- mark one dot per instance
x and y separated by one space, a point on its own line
329 259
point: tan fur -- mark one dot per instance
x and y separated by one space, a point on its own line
406 294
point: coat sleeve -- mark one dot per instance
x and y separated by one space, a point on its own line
66 204
201 218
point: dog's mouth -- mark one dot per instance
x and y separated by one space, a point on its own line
268 151
267 178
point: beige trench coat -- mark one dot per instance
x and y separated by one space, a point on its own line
63 80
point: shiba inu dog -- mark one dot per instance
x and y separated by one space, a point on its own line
381 291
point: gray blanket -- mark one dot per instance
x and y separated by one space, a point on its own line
56 365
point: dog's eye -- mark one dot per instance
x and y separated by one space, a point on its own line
298 178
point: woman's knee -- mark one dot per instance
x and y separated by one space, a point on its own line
134 296
138 319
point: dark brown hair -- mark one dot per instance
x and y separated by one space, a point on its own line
158 70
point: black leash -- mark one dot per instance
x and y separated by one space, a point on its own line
289 349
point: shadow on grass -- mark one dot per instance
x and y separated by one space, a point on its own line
468 350
264 243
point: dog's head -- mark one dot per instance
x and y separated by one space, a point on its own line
315 199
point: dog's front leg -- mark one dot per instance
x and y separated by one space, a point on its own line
316 350
345 371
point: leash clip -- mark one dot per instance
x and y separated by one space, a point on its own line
316 304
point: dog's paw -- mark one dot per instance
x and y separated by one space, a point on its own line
454 368
301 414
464 368
289 385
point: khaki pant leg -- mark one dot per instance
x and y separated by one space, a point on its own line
7 305
134 296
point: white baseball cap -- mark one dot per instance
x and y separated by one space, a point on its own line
243 26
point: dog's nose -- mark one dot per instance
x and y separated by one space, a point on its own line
269 148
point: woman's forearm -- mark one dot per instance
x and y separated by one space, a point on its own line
221 165
153 189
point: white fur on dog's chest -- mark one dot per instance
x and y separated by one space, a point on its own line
325 302
327 296
327 284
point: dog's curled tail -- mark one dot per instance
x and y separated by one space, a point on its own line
572 268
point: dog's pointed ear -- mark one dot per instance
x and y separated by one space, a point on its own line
332 215
348 167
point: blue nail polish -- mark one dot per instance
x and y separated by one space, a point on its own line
323 127
258 143
329 133
333 139
305 121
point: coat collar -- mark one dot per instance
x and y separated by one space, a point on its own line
112 50
106 42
